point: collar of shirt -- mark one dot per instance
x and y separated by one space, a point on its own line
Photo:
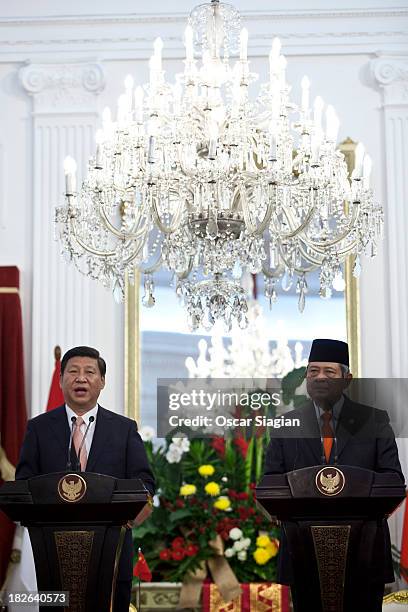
71 413
335 412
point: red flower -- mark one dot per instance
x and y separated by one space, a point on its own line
242 495
232 493
258 520
177 543
252 485
218 445
191 550
242 445
180 503
165 554
244 512
178 554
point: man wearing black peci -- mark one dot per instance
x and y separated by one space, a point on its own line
107 443
334 430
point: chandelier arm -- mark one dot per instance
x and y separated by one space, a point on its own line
339 238
184 275
151 269
302 269
87 248
268 272
254 231
290 220
118 233
156 217
342 252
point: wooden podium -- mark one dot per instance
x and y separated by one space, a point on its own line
77 525
333 524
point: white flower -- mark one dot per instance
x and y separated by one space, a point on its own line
174 454
238 545
156 501
147 433
246 542
235 533
182 443
229 552
242 555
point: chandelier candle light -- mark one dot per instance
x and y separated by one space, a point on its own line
198 177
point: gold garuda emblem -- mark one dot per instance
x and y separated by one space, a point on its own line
71 488
330 481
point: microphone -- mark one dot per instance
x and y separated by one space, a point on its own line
91 420
69 462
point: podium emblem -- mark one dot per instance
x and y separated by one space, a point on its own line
330 481
71 488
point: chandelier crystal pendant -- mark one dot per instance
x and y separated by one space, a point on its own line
209 181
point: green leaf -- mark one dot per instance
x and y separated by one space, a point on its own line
178 515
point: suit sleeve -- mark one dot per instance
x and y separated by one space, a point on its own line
29 460
137 465
387 451
274 461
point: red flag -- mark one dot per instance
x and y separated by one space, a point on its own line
56 397
404 545
13 415
141 568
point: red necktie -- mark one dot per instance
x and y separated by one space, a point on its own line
327 433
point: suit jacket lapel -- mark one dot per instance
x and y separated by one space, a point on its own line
310 430
100 438
345 426
60 428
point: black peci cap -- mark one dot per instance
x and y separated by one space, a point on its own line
334 351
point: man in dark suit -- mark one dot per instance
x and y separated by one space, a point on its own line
334 429
112 444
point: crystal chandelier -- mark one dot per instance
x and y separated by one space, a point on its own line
201 178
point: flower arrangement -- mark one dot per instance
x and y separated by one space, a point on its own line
205 505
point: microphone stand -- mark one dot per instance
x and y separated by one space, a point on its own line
73 423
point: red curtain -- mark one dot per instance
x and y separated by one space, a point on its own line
13 413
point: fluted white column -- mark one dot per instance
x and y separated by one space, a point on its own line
390 74
64 117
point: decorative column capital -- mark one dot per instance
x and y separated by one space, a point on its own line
63 87
390 73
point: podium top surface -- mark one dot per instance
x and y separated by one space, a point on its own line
73 495
334 489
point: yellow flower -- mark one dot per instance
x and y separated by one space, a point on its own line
272 548
206 470
261 556
188 489
263 541
222 503
212 488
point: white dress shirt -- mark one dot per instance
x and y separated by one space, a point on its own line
91 430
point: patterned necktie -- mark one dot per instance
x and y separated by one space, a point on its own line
327 433
77 439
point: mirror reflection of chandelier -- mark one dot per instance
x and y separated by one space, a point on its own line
248 354
204 180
